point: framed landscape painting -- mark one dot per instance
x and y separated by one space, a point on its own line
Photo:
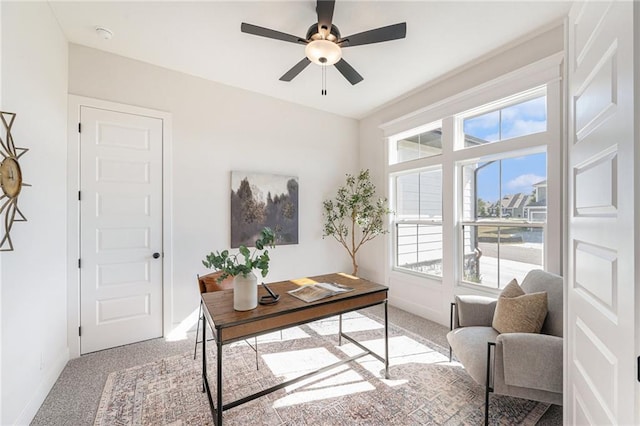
259 200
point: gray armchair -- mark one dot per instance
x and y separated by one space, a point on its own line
525 365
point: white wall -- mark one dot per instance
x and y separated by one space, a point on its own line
425 297
33 276
217 129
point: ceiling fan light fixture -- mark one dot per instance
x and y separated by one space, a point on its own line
323 52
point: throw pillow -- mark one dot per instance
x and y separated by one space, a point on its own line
512 289
517 312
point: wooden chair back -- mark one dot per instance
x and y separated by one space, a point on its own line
209 282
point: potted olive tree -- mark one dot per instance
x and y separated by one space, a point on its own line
240 266
355 208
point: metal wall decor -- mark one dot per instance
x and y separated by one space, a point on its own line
10 180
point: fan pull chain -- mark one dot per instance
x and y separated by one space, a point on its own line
324 80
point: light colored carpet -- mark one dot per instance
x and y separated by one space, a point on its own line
74 398
424 388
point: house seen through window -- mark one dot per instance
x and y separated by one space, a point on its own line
504 212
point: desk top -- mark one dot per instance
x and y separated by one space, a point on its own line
289 310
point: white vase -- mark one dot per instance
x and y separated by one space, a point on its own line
245 292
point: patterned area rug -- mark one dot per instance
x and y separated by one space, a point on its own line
424 389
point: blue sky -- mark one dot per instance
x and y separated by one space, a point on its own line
518 173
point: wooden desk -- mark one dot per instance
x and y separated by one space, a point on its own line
229 325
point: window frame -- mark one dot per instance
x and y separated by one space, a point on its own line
498 150
394 229
462 222
392 146
546 72
499 105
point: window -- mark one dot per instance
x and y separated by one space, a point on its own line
426 143
418 230
504 211
470 191
516 120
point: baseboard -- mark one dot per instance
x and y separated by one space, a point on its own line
420 310
48 380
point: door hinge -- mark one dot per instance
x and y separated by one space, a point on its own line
79 127
78 263
79 196
80 331
639 368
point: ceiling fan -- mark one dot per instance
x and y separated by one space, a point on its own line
324 43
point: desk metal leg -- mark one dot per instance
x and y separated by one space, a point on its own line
367 351
219 379
204 353
205 380
340 331
386 341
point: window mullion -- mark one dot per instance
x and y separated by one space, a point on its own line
498 256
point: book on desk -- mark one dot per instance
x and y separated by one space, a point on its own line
314 292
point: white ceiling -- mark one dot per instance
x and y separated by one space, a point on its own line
204 39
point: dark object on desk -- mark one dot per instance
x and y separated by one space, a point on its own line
270 298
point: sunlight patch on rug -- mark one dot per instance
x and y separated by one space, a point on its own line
424 387
351 322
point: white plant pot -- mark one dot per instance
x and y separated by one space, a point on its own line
245 292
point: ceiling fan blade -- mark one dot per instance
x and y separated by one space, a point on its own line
391 32
297 69
324 8
268 33
348 72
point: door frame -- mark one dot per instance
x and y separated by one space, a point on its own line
73 208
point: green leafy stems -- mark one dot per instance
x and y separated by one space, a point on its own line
244 261
355 207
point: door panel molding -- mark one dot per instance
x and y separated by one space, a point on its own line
73 225
596 275
602 199
590 17
602 170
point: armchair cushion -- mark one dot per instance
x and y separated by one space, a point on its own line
470 346
537 281
475 310
517 312
532 360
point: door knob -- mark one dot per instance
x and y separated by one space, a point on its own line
156 255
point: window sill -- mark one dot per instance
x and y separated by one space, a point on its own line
404 272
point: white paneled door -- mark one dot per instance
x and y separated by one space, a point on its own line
601 386
120 228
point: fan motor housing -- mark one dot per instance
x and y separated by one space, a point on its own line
313 34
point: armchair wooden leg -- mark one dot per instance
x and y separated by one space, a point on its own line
488 387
